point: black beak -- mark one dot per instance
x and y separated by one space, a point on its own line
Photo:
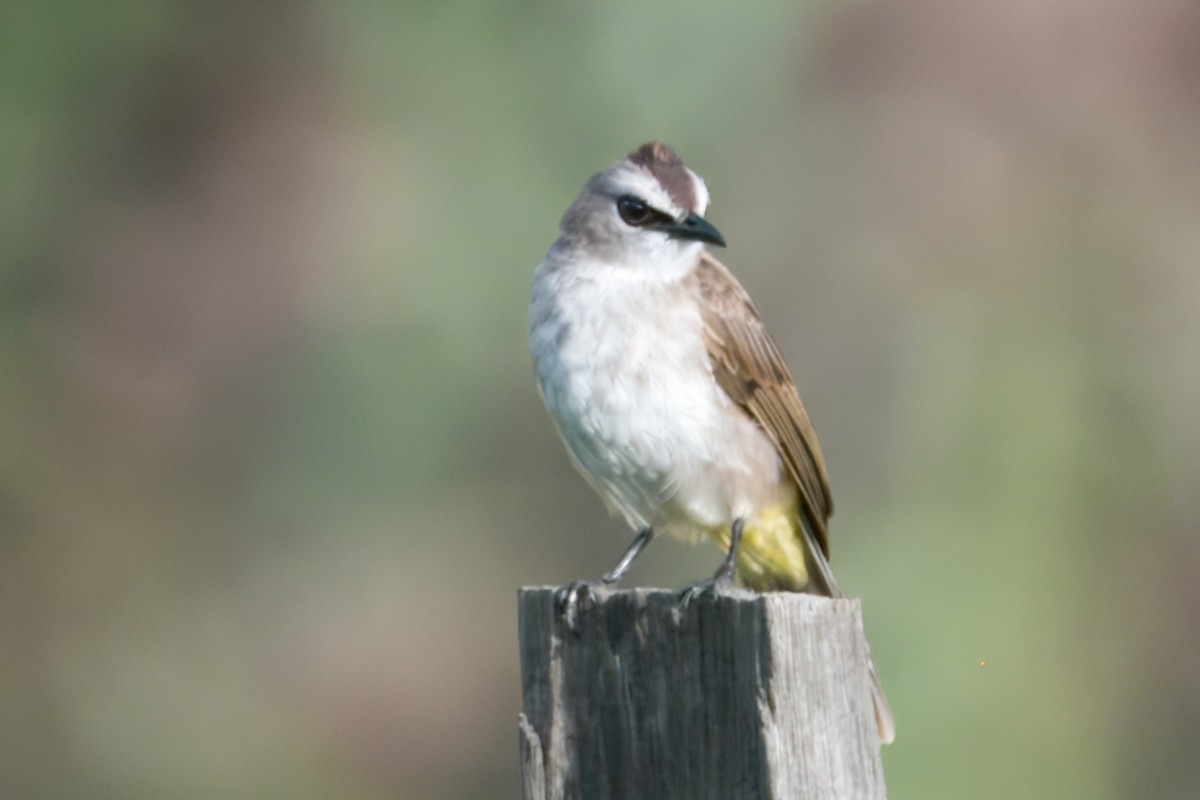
695 227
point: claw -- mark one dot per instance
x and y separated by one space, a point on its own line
570 599
709 587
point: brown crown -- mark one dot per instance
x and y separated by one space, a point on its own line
665 164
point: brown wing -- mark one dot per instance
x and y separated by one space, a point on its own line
748 366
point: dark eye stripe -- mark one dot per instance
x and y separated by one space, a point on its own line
635 211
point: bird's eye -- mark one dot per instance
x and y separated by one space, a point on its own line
633 210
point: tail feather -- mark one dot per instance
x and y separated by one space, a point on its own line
774 556
823 582
884 723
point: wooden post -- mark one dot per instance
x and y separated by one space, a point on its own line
738 695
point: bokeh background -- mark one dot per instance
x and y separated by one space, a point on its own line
272 465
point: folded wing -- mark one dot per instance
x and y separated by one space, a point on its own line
750 369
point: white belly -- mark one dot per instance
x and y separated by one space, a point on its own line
624 372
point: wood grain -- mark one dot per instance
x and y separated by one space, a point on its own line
738 695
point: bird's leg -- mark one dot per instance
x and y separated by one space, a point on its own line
571 598
635 547
724 575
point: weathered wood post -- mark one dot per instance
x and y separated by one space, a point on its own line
737 696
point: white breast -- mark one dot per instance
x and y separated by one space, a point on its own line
623 370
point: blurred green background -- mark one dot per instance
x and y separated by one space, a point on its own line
272 464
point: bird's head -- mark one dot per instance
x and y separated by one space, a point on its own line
644 211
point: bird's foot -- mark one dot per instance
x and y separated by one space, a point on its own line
572 598
709 587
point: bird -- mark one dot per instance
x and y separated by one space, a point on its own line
673 401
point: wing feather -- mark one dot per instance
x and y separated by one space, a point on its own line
750 369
